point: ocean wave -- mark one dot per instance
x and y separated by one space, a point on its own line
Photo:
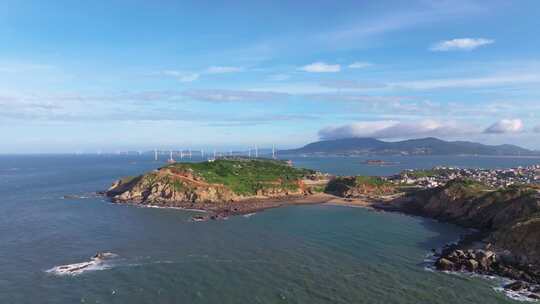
523 296
100 261
80 196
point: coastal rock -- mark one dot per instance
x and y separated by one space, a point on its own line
517 286
444 264
507 219
224 187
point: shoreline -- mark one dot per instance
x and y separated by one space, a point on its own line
468 243
242 207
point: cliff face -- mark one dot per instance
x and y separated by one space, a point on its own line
218 183
510 217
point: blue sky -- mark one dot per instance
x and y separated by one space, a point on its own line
116 75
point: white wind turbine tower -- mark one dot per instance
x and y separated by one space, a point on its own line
202 153
256 152
249 152
274 151
155 155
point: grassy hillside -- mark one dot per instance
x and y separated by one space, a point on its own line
246 177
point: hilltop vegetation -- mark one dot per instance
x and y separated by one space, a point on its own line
218 181
245 177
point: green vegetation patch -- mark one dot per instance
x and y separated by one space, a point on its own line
374 181
426 173
246 177
368 184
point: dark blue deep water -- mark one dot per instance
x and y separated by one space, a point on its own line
300 254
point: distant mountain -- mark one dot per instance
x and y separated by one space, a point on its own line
422 146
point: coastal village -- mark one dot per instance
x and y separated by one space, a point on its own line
495 178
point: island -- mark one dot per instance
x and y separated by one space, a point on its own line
501 205
222 187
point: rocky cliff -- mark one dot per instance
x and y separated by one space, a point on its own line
510 217
508 225
219 182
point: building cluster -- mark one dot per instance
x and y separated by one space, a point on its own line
492 177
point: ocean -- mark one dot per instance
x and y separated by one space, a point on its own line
298 254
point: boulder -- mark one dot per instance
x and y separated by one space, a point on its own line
444 264
517 286
472 265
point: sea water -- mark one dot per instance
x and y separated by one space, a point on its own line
50 217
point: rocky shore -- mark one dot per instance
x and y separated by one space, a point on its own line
506 221
461 257
223 188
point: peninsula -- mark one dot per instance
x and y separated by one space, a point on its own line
222 187
503 206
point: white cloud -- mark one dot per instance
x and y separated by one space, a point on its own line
461 44
360 65
489 81
351 84
537 129
357 129
396 129
233 95
185 76
505 126
321 67
182 76
368 99
223 69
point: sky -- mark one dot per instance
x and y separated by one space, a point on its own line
85 76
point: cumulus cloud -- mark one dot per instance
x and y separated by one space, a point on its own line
461 44
505 126
223 69
360 65
233 95
396 129
321 67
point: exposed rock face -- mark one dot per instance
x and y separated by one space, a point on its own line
181 187
167 187
509 219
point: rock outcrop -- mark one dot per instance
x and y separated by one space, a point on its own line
510 217
508 220
211 185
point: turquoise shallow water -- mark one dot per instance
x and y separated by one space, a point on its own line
298 254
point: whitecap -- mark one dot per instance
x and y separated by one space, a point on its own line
522 296
101 261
